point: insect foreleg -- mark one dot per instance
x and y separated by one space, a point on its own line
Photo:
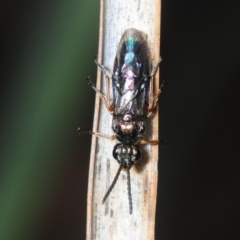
100 135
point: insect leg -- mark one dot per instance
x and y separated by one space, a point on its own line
104 98
150 142
80 131
153 99
107 75
105 71
155 68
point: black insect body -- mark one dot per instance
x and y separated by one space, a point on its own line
132 101
130 81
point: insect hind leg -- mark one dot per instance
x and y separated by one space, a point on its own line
155 68
153 100
104 98
106 72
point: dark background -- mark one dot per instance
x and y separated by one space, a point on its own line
47 50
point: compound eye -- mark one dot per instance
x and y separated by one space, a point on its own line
117 150
135 153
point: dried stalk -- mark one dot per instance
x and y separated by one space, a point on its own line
112 220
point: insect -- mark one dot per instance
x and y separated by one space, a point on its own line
132 101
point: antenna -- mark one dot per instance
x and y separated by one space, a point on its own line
112 185
129 190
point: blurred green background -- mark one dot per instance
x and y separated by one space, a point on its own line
47 50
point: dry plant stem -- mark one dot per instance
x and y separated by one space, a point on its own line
112 220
